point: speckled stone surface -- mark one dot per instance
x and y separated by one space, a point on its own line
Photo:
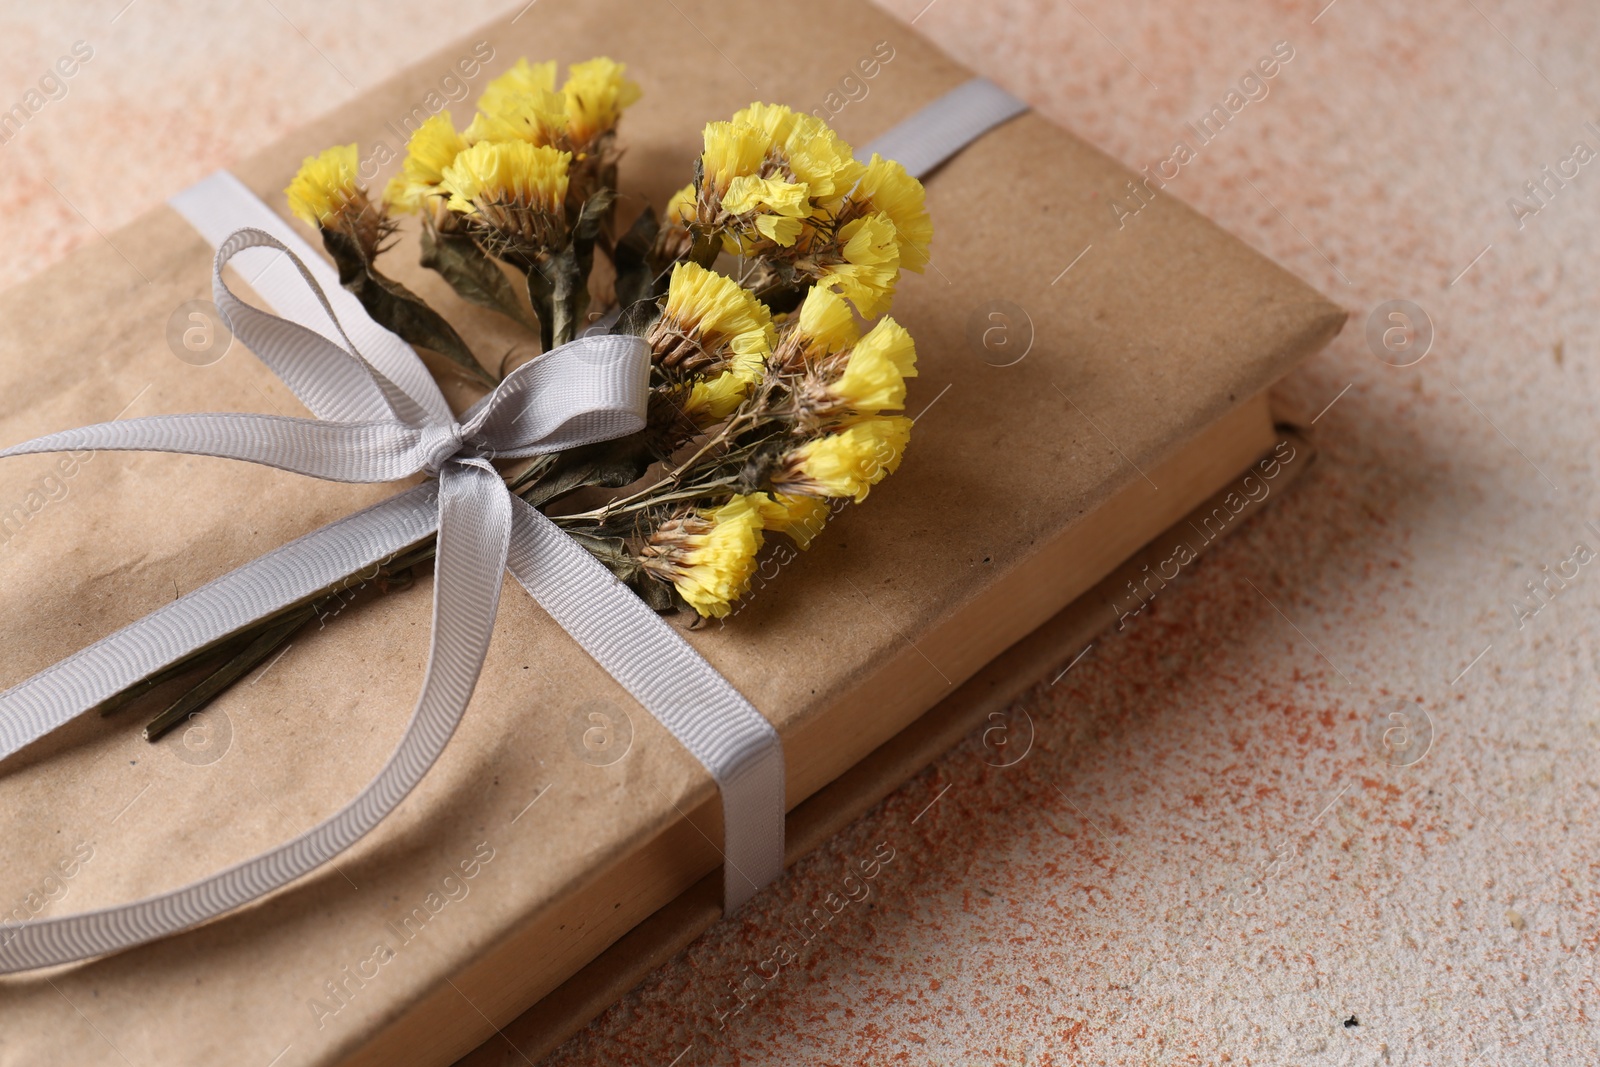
1208 855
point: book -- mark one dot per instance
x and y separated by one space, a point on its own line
1130 386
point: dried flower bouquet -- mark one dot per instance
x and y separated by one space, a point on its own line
755 289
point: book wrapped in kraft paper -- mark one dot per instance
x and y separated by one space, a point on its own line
524 854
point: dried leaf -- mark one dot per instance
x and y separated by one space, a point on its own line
398 309
473 274
541 293
654 592
637 317
554 286
608 464
592 220
612 551
635 272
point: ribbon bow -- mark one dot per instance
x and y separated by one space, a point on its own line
376 425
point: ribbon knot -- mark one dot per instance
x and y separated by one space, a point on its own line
451 444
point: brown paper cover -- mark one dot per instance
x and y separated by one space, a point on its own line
1162 327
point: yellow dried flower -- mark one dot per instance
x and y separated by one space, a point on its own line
595 95
886 187
824 325
767 173
779 207
817 157
775 120
874 377
325 186
804 147
527 120
520 105
515 188
800 518
733 150
681 209
713 400
674 241
748 193
503 173
708 555
871 264
431 149
780 231
710 322
523 80
847 463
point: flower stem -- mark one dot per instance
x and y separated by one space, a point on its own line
693 492
237 667
241 650
227 647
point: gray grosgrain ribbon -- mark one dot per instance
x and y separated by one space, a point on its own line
380 417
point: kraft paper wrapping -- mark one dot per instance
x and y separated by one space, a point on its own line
1162 328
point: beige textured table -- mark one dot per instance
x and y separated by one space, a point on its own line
1208 855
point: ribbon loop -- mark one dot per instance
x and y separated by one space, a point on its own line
474 521
588 390
334 383
220 205
339 452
